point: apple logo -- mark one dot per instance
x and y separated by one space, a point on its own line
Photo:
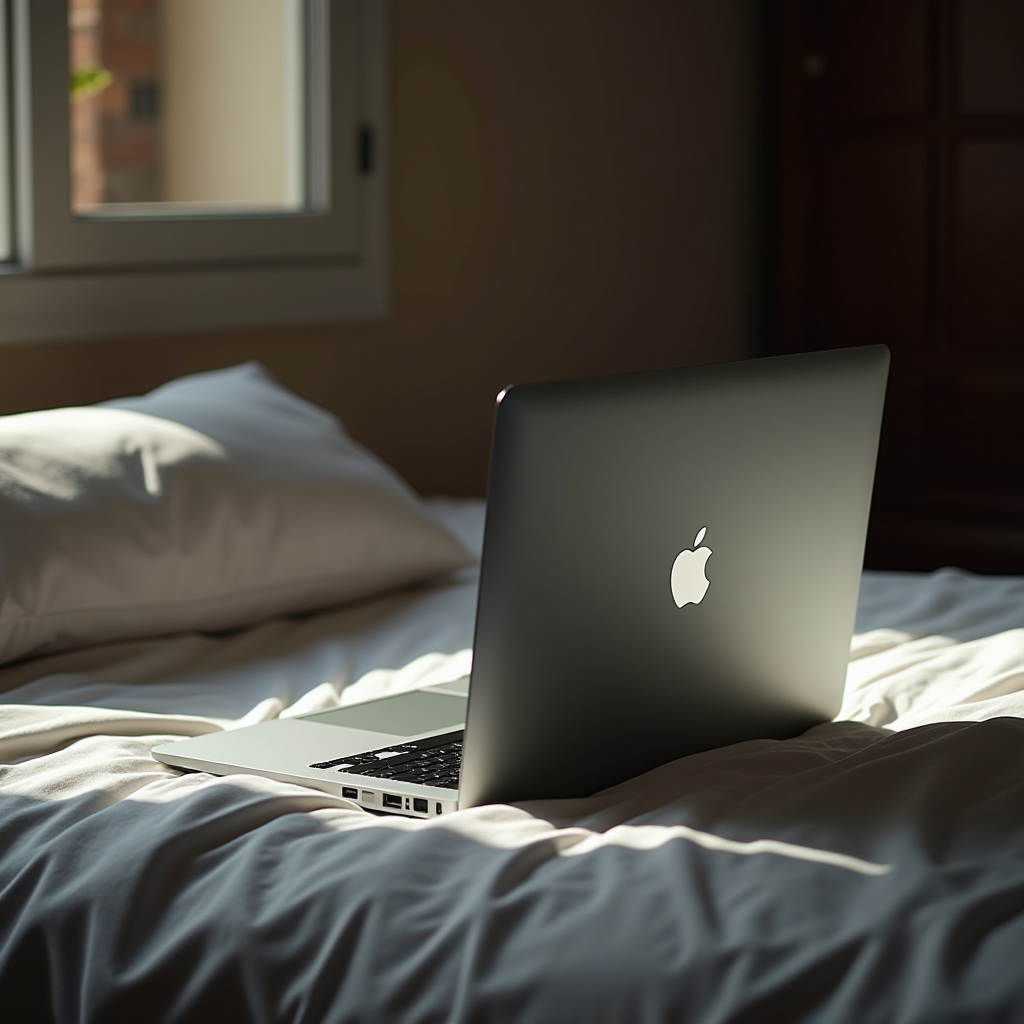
689 583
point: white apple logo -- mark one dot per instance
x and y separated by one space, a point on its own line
689 583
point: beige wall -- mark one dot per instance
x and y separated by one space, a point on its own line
572 193
231 107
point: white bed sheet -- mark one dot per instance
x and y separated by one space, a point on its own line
854 873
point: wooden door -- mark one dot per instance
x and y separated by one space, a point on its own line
902 221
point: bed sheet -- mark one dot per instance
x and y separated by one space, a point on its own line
872 869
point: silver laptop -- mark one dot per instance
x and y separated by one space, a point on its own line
671 563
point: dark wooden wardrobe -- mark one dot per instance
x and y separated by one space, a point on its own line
900 219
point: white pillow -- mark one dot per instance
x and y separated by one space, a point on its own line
212 502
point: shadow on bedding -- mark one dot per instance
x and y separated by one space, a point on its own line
211 896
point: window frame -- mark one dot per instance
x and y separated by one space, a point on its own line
81 276
6 207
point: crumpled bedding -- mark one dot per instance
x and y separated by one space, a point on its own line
869 870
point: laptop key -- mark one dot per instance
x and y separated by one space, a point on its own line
438 755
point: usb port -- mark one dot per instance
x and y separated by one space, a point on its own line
390 800
420 805
350 792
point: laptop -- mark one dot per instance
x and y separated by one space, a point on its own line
671 563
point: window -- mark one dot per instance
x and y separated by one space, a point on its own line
208 166
174 110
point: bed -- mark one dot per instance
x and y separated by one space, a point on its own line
871 869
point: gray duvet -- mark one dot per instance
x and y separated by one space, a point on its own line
870 870
849 875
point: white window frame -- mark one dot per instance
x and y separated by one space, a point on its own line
82 277
6 233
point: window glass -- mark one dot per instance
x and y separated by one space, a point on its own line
187 107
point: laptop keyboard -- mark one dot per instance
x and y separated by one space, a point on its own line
434 761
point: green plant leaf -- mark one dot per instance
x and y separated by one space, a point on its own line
89 81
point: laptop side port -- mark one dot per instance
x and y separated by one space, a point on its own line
390 800
350 792
420 805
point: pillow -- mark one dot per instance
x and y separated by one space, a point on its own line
212 502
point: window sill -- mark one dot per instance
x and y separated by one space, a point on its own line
179 300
